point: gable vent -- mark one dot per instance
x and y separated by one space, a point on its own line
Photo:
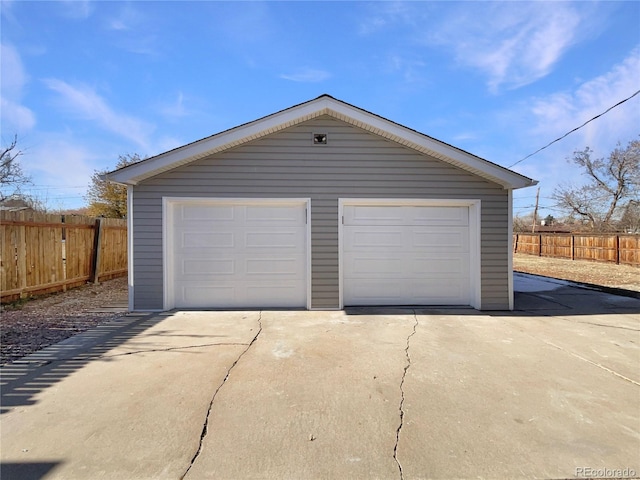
319 138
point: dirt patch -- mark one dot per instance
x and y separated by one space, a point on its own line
597 273
40 322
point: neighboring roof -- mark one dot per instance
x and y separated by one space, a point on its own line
15 203
323 105
552 229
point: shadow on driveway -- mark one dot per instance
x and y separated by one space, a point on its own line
23 379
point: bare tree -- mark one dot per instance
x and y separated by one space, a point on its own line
11 174
611 183
630 220
107 199
522 223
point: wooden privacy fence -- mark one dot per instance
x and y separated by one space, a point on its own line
611 248
43 253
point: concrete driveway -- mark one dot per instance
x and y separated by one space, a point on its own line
551 390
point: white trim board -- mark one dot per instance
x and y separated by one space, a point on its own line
130 277
323 105
510 254
474 234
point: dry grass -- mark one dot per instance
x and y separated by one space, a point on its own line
597 273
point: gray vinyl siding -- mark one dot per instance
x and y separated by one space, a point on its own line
354 164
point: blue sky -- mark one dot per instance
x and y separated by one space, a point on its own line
86 81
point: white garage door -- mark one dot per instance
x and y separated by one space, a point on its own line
406 255
238 255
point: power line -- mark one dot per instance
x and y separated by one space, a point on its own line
575 129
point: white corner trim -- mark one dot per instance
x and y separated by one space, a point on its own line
510 255
167 247
475 210
475 242
308 247
130 277
168 205
341 202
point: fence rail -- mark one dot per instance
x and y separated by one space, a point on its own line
43 253
619 249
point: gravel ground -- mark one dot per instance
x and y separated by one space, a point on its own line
40 322
605 274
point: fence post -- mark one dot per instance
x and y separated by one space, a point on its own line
617 247
539 245
515 244
95 261
21 255
573 246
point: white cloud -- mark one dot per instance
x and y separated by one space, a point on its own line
176 109
77 9
60 168
382 15
412 70
13 115
61 162
13 75
127 19
307 75
86 103
561 112
16 117
134 31
550 117
513 44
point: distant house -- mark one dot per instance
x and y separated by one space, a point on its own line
551 229
16 203
320 206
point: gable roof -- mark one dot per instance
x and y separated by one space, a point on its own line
323 105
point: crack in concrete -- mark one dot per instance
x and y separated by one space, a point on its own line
619 375
169 349
89 356
564 319
596 324
611 326
205 426
401 408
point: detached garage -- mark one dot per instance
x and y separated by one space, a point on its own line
319 206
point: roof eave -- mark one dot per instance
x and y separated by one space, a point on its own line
133 174
324 105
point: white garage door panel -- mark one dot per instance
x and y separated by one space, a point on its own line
440 238
405 215
200 295
205 267
228 255
265 214
275 238
408 238
426 292
406 255
216 269
208 240
236 296
406 266
203 212
275 266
